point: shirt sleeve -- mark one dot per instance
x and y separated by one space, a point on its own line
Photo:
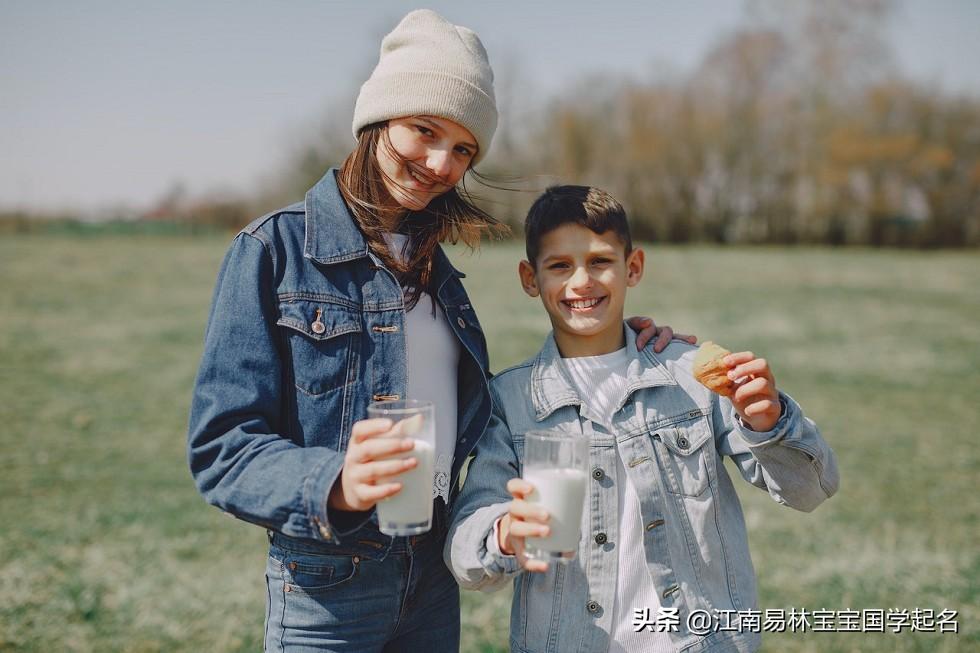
791 461
471 553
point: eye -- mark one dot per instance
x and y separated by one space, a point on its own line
558 266
424 130
601 260
465 151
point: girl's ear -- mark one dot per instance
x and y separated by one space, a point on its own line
528 281
634 267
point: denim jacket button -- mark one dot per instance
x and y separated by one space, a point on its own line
318 327
592 606
600 538
683 442
598 474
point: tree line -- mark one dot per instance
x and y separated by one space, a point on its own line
796 127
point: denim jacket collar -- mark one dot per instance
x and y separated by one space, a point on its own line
332 235
551 388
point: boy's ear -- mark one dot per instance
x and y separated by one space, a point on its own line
528 281
634 267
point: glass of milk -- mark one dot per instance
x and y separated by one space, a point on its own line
410 511
557 464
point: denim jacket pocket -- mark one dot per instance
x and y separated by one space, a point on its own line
684 456
322 340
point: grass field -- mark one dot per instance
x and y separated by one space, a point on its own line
106 546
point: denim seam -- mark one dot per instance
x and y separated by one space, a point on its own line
729 567
289 297
346 400
556 608
266 245
677 419
403 608
268 613
525 582
302 327
282 617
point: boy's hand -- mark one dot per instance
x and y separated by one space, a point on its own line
521 521
371 465
755 399
647 330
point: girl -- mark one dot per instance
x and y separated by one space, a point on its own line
344 299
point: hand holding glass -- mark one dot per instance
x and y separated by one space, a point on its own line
556 464
409 512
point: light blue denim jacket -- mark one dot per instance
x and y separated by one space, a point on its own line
672 433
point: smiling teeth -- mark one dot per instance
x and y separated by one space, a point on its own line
583 303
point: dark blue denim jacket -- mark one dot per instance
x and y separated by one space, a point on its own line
306 329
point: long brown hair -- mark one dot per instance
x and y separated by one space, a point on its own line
450 217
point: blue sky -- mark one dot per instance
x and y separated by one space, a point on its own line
112 102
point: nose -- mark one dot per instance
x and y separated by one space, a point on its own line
580 278
439 162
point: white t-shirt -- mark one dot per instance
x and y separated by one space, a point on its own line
433 356
601 384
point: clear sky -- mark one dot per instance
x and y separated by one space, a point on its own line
105 102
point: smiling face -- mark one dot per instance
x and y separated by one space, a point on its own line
582 277
423 157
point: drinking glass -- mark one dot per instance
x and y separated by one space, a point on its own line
556 464
410 511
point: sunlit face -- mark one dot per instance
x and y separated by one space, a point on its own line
430 157
582 277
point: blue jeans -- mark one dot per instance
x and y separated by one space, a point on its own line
407 601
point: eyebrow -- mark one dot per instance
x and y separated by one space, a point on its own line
433 123
564 255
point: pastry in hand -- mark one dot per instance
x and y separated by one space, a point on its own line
711 371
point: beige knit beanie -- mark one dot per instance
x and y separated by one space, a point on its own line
428 66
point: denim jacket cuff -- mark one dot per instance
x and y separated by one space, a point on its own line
788 416
329 525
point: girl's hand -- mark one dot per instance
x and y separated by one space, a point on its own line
756 399
521 521
647 329
370 465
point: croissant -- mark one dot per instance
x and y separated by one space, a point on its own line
711 371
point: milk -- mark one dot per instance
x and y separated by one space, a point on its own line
562 493
412 506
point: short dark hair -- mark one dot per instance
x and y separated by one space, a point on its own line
593 208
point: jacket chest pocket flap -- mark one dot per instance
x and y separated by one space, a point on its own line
323 341
684 456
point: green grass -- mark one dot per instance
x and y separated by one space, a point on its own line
105 545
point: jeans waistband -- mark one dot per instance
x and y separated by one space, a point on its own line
368 539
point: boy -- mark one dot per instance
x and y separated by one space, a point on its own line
663 536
